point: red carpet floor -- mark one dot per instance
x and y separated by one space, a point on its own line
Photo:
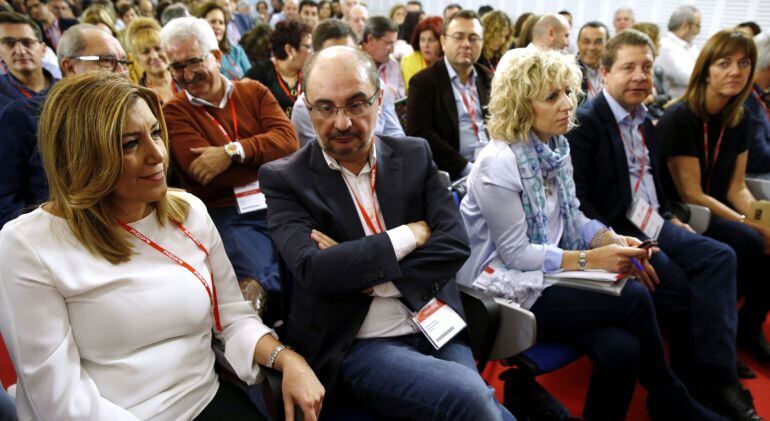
570 385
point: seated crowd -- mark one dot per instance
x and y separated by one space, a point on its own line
185 181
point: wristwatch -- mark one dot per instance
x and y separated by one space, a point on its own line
234 152
582 263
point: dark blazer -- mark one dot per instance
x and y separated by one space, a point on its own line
431 113
327 306
601 168
759 129
64 24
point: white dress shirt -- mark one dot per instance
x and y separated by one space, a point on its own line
91 340
677 59
387 316
392 79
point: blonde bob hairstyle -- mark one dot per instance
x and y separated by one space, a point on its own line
529 76
142 34
80 136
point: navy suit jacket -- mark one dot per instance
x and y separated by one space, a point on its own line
759 129
327 306
431 113
600 165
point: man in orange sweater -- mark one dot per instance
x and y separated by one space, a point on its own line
221 133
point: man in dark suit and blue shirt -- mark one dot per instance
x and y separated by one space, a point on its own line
617 163
372 241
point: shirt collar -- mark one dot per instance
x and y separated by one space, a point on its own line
621 115
334 165
453 74
201 102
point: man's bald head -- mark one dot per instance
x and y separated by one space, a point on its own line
551 32
340 59
88 40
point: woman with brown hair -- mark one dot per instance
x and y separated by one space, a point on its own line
705 137
235 63
112 291
498 37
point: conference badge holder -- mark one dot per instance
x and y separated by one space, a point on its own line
644 217
250 198
439 322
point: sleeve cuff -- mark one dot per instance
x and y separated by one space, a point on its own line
387 290
239 350
590 228
553 258
402 240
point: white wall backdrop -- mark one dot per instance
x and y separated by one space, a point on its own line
717 14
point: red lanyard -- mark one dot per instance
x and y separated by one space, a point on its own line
642 159
297 88
221 128
237 75
212 292
591 91
762 103
364 213
470 107
710 166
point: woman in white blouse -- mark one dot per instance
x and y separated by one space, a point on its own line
110 291
523 220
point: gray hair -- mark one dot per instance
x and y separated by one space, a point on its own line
73 41
682 15
626 9
189 27
362 61
762 42
174 11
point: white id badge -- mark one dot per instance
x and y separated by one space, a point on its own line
439 322
250 198
644 217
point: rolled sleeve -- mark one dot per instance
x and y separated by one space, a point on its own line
553 258
590 228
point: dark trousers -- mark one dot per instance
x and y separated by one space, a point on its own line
753 280
230 403
622 339
696 303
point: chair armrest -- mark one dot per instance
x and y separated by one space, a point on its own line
759 188
483 317
516 332
700 218
446 181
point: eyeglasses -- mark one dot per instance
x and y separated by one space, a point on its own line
110 63
352 109
309 47
461 37
193 65
10 42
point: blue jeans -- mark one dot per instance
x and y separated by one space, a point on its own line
248 245
405 377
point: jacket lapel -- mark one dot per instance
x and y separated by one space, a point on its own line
335 194
390 185
448 97
618 150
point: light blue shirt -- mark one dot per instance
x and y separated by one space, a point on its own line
235 64
387 121
633 143
469 142
494 218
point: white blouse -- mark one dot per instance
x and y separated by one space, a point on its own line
97 341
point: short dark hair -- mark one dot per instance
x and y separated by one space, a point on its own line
596 25
627 37
122 9
288 32
751 25
307 3
13 18
565 12
462 14
331 29
483 10
415 3
377 27
452 6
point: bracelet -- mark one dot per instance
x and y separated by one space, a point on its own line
582 263
274 355
598 239
743 219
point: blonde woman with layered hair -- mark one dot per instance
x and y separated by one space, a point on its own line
498 37
143 40
706 142
523 221
111 291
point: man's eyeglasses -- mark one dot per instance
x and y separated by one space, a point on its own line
461 37
10 42
352 109
193 65
110 63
